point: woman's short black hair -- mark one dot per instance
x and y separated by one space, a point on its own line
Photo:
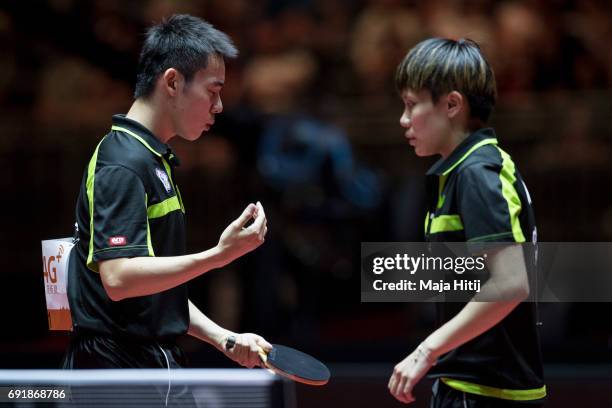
444 65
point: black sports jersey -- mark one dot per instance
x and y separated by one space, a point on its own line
128 206
476 195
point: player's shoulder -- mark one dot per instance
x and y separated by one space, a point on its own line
484 159
121 149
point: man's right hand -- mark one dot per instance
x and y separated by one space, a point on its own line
237 240
244 348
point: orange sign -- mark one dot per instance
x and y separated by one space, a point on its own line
55 256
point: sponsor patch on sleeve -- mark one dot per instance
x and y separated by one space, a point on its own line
118 240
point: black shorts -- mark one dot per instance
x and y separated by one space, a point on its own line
95 351
91 350
444 396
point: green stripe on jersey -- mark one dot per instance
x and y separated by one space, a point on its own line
160 209
446 223
508 179
494 392
91 175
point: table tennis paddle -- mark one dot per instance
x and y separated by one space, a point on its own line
296 365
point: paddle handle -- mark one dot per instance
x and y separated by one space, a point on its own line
263 355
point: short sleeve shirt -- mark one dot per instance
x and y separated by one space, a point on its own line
477 195
128 206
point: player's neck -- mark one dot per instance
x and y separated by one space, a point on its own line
144 112
455 138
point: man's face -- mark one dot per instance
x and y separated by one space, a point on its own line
199 100
427 124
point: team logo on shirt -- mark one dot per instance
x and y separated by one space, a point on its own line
164 179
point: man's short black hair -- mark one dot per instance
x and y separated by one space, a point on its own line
183 42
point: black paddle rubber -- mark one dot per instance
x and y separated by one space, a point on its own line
296 365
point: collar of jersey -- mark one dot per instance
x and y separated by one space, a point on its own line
143 135
474 141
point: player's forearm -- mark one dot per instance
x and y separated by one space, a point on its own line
141 276
201 327
473 320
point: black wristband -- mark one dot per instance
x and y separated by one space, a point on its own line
230 342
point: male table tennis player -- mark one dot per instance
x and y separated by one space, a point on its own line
484 354
128 273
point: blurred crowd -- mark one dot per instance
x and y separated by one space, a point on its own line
310 128
304 55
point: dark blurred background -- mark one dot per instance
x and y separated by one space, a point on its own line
311 129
